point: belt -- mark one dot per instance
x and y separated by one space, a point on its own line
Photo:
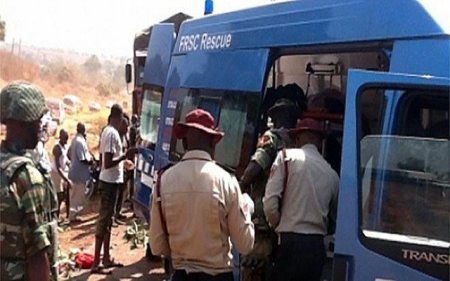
292 236
201 275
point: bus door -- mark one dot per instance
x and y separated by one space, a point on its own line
393 214
160 48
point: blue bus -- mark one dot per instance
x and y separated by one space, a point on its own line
391 62
150 75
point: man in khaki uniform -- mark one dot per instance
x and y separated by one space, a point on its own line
28 201
257 266
301 194
197 207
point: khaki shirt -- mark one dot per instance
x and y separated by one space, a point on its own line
203 208
311 192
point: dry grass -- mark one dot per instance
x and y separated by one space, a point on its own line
15 68
63 78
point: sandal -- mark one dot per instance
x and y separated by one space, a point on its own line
100 270
112 263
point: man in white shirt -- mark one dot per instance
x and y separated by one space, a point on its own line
111 179
301 191
79 173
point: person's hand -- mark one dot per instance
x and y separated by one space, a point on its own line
69 183
128 165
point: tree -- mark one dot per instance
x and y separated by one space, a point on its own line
92 64
2 29
103 89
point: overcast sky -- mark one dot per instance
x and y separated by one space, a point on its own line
96 26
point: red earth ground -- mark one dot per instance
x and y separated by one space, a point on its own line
80 235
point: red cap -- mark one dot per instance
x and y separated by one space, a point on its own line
307 124
198 119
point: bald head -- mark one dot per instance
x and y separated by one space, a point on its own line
81 129
63 136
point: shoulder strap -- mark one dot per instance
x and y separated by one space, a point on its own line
159 199
286 170
286 177
11 165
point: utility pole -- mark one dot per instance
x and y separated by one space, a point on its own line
20 48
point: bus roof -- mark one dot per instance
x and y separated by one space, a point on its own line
311 22
210 50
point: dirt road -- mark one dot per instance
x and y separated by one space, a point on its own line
80 235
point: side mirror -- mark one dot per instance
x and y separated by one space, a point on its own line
128 73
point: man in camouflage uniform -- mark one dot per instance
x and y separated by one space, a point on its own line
257 266
28 201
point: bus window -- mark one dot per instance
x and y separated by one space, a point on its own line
212 105
233 114
405 174
150 115
424 116
238 121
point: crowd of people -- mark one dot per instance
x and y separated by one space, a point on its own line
275 215
34 184
278 228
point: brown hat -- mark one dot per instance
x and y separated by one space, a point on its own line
307 124
198 119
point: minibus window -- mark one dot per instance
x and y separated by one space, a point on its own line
233 114
404 171
150 115
237 123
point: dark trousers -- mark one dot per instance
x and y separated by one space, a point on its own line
119 201
299 257
181 275
107 204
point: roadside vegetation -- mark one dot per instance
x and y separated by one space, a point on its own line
95 81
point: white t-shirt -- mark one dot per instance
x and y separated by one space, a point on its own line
40 157
110 143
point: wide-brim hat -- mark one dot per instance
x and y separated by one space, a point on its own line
284 105
201 120
307 124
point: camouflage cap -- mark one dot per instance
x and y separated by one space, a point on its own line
21 101
286 106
